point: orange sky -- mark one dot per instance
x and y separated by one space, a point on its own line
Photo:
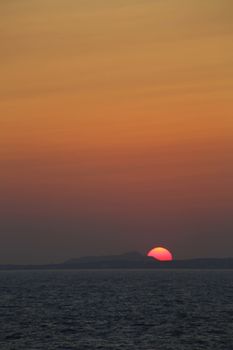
116 119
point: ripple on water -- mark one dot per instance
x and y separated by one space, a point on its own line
124 310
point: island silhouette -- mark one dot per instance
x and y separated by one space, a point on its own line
130 260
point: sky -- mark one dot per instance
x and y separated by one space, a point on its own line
116 128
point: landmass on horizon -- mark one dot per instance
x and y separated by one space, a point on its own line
130 260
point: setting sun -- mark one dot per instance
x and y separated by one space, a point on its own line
160 254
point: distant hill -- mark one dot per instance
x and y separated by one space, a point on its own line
131 260
137 260
132 256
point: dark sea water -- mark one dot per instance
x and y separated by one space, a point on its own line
85 310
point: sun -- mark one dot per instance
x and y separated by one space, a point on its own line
161 254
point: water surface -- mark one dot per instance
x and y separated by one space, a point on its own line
117 309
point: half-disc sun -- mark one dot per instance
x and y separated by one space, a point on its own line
160 253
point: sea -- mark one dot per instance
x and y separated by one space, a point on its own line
116 309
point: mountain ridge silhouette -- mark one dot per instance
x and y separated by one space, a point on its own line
129 260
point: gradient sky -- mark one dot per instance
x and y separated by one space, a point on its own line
116 128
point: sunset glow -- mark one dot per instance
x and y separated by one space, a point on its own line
115 123
161 254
